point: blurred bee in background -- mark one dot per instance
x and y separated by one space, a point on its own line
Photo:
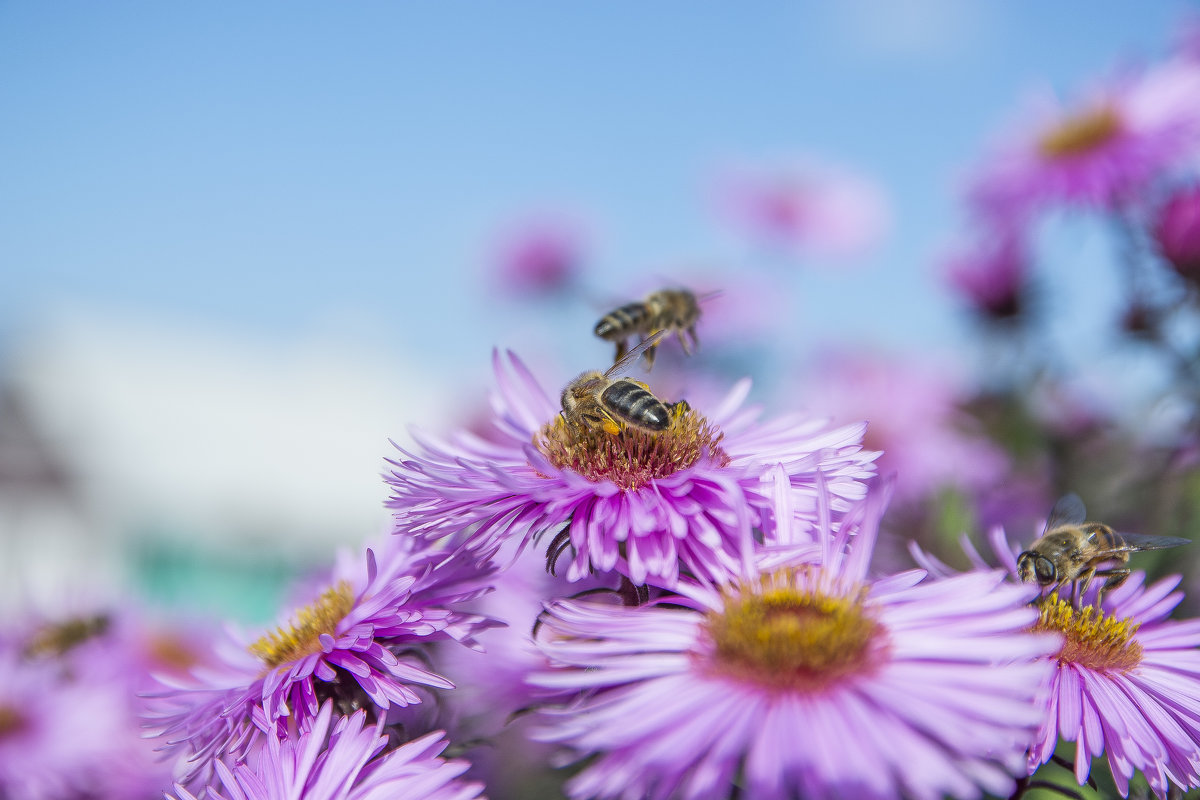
57 639
600 401
1074 551
675 310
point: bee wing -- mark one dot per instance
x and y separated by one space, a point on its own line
632 355
704 298
1069 510
1136 542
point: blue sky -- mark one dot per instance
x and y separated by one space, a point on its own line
289 168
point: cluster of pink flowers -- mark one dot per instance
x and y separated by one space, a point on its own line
1128 149
734 637
693 609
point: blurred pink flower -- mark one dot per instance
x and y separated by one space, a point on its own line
538 257
1187 37
70 706
912 415
806 209
991 276
1177 231
1070 410
744 308
1098 152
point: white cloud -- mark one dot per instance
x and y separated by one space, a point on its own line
909 29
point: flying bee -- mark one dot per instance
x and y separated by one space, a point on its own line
601 401
59 638
1074 551
675 310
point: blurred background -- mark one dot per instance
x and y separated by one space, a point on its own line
242 247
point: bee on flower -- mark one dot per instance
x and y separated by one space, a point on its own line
1124 678
681 490
803 677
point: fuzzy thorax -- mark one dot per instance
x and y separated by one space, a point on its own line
632 457
1092 640
780 635
303 636
1080 134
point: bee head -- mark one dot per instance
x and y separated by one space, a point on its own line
1035 566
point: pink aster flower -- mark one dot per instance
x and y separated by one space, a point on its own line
342 764
1125 682
1187 37
808 680
73 730
806 208
991 277
1177 231
350 645
1099 152
646 505
914 417
539 257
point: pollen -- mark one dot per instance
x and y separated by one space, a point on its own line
632 458
1080 134
303 636
1094 641
785 637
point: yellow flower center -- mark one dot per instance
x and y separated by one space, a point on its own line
1080 134
780 636
303 636
1094 641
172 652
632 457
12 721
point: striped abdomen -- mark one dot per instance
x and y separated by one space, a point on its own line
622 322
633 404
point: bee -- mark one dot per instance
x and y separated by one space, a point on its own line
59 638
675 310
1074 551
600 401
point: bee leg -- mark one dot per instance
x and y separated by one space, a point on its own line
633 595
1112 579
687 348
648 357
1058 587
622 349
603 423
558 546
1087 577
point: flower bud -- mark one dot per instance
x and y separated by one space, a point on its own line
1177 231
